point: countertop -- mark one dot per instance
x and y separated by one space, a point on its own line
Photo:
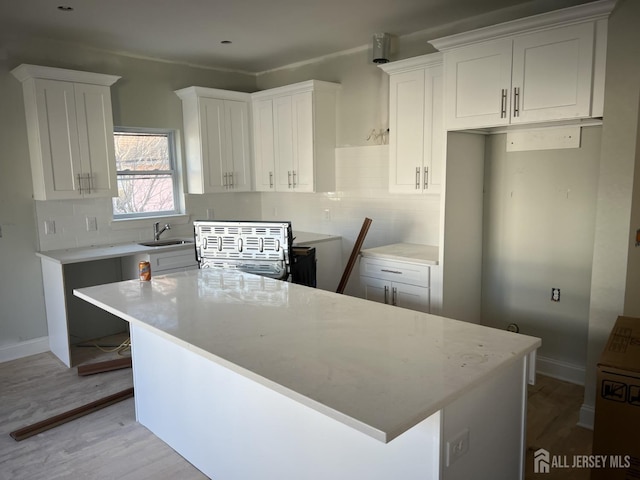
100 252
405 252
377 368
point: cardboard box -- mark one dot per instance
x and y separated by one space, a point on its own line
617 418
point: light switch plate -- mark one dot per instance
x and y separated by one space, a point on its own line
457 446
92 224
49 227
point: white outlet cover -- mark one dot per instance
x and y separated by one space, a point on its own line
49 227
457 447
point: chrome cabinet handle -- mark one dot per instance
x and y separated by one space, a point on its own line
90 179
294 179
516 101
79 183
390 271
231 180
386 295
503 103
289 178
270 179
426 178
394 296
417 178
224 180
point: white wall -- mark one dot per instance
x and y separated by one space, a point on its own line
538 234
616 266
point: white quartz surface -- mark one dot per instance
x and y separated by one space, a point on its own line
88 254
100 252
377 368
407 252
309 238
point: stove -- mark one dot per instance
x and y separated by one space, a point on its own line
262 248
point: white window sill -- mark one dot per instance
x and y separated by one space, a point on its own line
124 223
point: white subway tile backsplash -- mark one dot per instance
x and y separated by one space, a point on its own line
362 176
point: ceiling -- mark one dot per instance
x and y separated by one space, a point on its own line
265 34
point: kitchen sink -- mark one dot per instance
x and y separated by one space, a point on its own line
165 243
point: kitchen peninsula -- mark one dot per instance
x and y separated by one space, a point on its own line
250 377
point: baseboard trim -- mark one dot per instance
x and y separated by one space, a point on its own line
24 349
587 416
568 372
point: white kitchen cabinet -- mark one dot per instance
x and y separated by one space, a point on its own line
294 137
400 283
217 140
416 124
539 69
70 132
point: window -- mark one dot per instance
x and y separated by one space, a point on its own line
147 176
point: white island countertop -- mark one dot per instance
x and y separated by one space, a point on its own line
377 368
405 252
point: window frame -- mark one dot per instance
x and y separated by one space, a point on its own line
174 173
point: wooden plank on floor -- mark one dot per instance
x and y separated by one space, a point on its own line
106 366
49 423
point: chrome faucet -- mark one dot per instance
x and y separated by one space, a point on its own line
157 231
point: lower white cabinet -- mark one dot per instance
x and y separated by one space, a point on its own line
162 263
393 282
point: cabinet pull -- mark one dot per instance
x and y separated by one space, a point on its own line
230 179
224 180
417 178
289 178
294 179
503 103
394 296
386 294
90 182
390 271
270 179
426 178
79 183
516 101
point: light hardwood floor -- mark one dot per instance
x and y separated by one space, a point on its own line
109 444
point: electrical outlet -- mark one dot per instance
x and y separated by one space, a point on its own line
555 294
210 214
92 224
49 227
457 446
327 214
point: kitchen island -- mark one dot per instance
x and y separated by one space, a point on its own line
250 377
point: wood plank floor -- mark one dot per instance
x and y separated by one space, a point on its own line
109 444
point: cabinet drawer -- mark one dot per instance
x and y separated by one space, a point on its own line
410 273
161 262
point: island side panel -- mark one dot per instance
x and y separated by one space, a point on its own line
56 309
231 427
488 424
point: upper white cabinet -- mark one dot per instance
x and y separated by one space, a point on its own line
70 132
217 140
294 130
544 68
416 124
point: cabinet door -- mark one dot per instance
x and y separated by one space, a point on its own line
410 296
95 139
58 139
303 125
406 131
264 145
212 136
552 74
375 289
438 137
238 159
478 79
283 133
